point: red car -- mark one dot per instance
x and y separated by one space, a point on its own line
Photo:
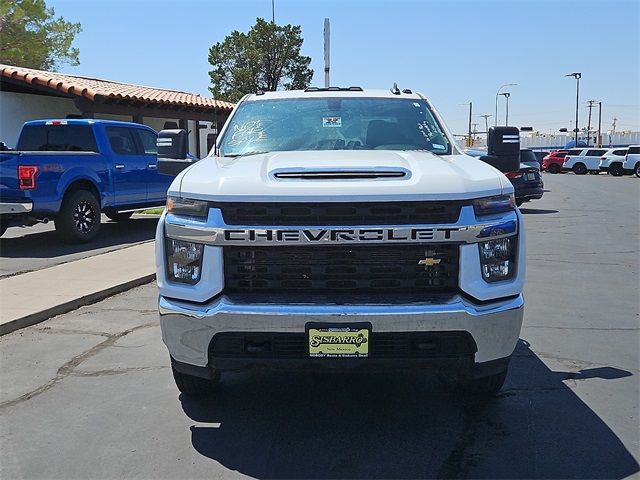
552 163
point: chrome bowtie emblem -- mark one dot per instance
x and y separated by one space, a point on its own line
429 262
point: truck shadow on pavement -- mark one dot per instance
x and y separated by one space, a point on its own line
49 245
536 211
407 425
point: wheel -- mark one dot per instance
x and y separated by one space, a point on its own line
79 217
579 169
636 170
195 386
616 169
118 216
484 386
553 168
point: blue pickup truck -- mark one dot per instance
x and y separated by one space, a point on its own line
71 171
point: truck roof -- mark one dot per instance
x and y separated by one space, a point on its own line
81 121
351 92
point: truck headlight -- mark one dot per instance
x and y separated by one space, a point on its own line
498 258
187 206
496 204
184 261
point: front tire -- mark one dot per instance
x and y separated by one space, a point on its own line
636 170
580 169
79 217
118 216
483 386
195 386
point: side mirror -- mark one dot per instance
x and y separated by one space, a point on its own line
503 148
172 152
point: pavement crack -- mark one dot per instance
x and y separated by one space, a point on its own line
116 371
70 331
143 311
66 369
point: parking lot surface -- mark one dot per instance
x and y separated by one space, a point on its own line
89 394
32 248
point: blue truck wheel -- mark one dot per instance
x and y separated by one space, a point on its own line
79 217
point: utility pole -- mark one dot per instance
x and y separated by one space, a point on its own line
486 122
273 11
599 124
591 102
614 125
470 141
327 35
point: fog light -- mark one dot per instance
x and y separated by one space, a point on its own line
184 261
497 259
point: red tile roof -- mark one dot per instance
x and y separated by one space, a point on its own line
94 88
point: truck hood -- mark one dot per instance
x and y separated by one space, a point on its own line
320 175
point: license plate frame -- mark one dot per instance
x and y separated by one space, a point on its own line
530 177
338 347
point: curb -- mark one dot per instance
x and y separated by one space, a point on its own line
66 307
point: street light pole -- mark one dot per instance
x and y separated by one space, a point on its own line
498 93
506 95
577 76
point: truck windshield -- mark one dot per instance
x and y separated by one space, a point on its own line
261 126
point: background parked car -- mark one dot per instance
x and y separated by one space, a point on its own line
528 157
552 163
612 161
632 160
583 160
527 183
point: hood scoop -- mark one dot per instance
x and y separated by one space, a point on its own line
342 174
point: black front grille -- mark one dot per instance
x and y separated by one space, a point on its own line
352 214
382 345
354 270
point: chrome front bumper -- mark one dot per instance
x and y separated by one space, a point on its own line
15 208
188 328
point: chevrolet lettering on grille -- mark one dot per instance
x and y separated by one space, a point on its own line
212 235
348 235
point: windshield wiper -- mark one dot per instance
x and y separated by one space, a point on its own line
246 154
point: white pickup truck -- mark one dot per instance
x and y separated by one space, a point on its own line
340 228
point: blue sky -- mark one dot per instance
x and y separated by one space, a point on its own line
452 51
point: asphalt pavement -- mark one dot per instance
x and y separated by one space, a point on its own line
33 248
89 394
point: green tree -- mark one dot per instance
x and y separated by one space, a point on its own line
31 36
266 58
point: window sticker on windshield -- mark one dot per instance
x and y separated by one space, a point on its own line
248 132
437 146
416 104
331 121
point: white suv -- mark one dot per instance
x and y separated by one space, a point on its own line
611 161
583 160
632 160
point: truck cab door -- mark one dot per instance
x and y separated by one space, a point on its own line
157 185
129 167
